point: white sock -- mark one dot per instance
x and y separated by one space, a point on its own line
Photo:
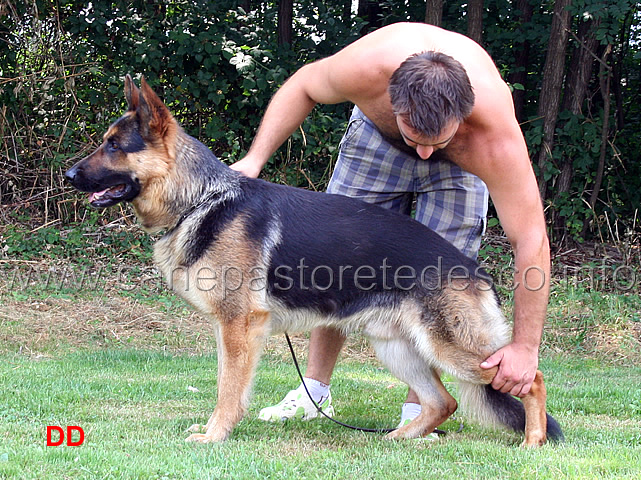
318 390
410 411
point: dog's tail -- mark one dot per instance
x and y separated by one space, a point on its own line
491 407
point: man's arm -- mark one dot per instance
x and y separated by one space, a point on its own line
503 163
525 228
518 361
287 110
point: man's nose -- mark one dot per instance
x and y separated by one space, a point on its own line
424 151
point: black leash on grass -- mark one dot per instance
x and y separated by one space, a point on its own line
320 410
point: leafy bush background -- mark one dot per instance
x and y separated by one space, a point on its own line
62 65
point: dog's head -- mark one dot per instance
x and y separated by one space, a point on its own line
137 151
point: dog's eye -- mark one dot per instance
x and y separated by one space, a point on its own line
112 145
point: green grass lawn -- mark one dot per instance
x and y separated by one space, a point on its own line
136 371
135 405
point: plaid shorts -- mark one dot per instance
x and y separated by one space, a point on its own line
449 200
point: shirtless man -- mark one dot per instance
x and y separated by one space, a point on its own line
417 146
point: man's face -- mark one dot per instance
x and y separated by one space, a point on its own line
425 146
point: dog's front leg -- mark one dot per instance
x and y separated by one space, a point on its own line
239 344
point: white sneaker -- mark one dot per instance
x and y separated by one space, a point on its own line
409 411
296 404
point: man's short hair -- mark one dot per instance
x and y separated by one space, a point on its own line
429 90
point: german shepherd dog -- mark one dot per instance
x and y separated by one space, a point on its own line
260 258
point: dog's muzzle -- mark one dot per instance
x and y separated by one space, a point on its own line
106 188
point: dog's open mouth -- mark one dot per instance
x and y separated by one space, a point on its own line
109 196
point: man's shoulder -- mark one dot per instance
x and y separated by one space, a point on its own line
493 106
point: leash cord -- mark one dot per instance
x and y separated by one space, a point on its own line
320 410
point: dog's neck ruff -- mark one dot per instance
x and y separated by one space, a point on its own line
211 180
207 202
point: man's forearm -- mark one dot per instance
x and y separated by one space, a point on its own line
532 280
286 112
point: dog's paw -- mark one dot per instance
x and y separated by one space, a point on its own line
534 440
199 438
410 432
398 434
214 437
197 428
430 437
405 432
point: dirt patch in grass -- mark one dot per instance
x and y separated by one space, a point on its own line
41 326
38 325
45 326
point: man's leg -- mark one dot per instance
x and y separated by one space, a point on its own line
451 202
369 169
324 346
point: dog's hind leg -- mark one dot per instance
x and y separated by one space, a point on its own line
474 327
535 414
493 407
404 362
239 345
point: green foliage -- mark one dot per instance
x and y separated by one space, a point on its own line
84 244
578 136
217 66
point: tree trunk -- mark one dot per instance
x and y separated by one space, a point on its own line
371 12
475 20
605 76
622 52
434 12
347 11
581 65
521 59
285 15
553 73
576 88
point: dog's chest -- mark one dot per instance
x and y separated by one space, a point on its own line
167 257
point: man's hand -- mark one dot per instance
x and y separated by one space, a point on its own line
517 369
247 167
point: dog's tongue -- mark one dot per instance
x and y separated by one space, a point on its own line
96 195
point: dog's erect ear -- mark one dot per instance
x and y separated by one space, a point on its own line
136 103
132 94
158 116
153 116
